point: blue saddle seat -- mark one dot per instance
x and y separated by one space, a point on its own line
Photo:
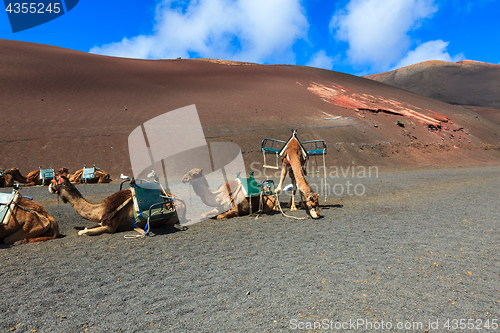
6 200
88 173
46 174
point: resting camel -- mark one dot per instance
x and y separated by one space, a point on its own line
293 163
228 203
6 180
33 178
100 176
116 212
28 222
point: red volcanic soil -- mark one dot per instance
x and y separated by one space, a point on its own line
470 83
67 108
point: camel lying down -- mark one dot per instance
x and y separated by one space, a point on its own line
115 212
28 222
227 204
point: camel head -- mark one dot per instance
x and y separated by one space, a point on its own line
312 202
12 171
63 171
61 184
192 174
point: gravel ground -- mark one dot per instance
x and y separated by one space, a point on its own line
419 246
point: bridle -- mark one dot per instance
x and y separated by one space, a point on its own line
57 181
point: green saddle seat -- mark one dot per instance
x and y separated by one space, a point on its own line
250 186
253 189
149 202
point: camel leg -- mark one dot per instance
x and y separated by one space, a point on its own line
302 202
282 177
36 231
292 199
98 230
228 214
210 214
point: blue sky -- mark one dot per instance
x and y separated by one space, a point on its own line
353 36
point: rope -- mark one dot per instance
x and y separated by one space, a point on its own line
283 213
133 223
113 213
276 203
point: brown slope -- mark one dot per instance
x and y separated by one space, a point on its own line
68 108
469 83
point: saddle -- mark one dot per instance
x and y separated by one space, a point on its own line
150 204
7 203
252 189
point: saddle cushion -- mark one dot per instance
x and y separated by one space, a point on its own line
146 195
7 202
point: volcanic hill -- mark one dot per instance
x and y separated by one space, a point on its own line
66 108
473 84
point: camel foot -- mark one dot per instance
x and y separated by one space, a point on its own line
180 227
83 232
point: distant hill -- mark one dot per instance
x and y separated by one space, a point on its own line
469 83
66 108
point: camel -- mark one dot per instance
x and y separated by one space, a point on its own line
33 178
6 180
28 222
100 176
229 199
115 212
294 161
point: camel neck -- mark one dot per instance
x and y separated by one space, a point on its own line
200 187
85 209
294 158
20 178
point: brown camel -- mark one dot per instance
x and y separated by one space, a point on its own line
6 180
115 212
28 222
100 176
33 178
294 162
228 203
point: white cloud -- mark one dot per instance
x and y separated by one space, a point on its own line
433 50
321 60
248 30
376 30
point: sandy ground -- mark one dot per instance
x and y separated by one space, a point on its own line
418 246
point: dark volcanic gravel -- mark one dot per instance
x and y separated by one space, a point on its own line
419 246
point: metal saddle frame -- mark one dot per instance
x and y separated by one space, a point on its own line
88 173
46 174
252 189
7 203
309 148
150 204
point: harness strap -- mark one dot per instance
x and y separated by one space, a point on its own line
113 213
37 214
231 200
